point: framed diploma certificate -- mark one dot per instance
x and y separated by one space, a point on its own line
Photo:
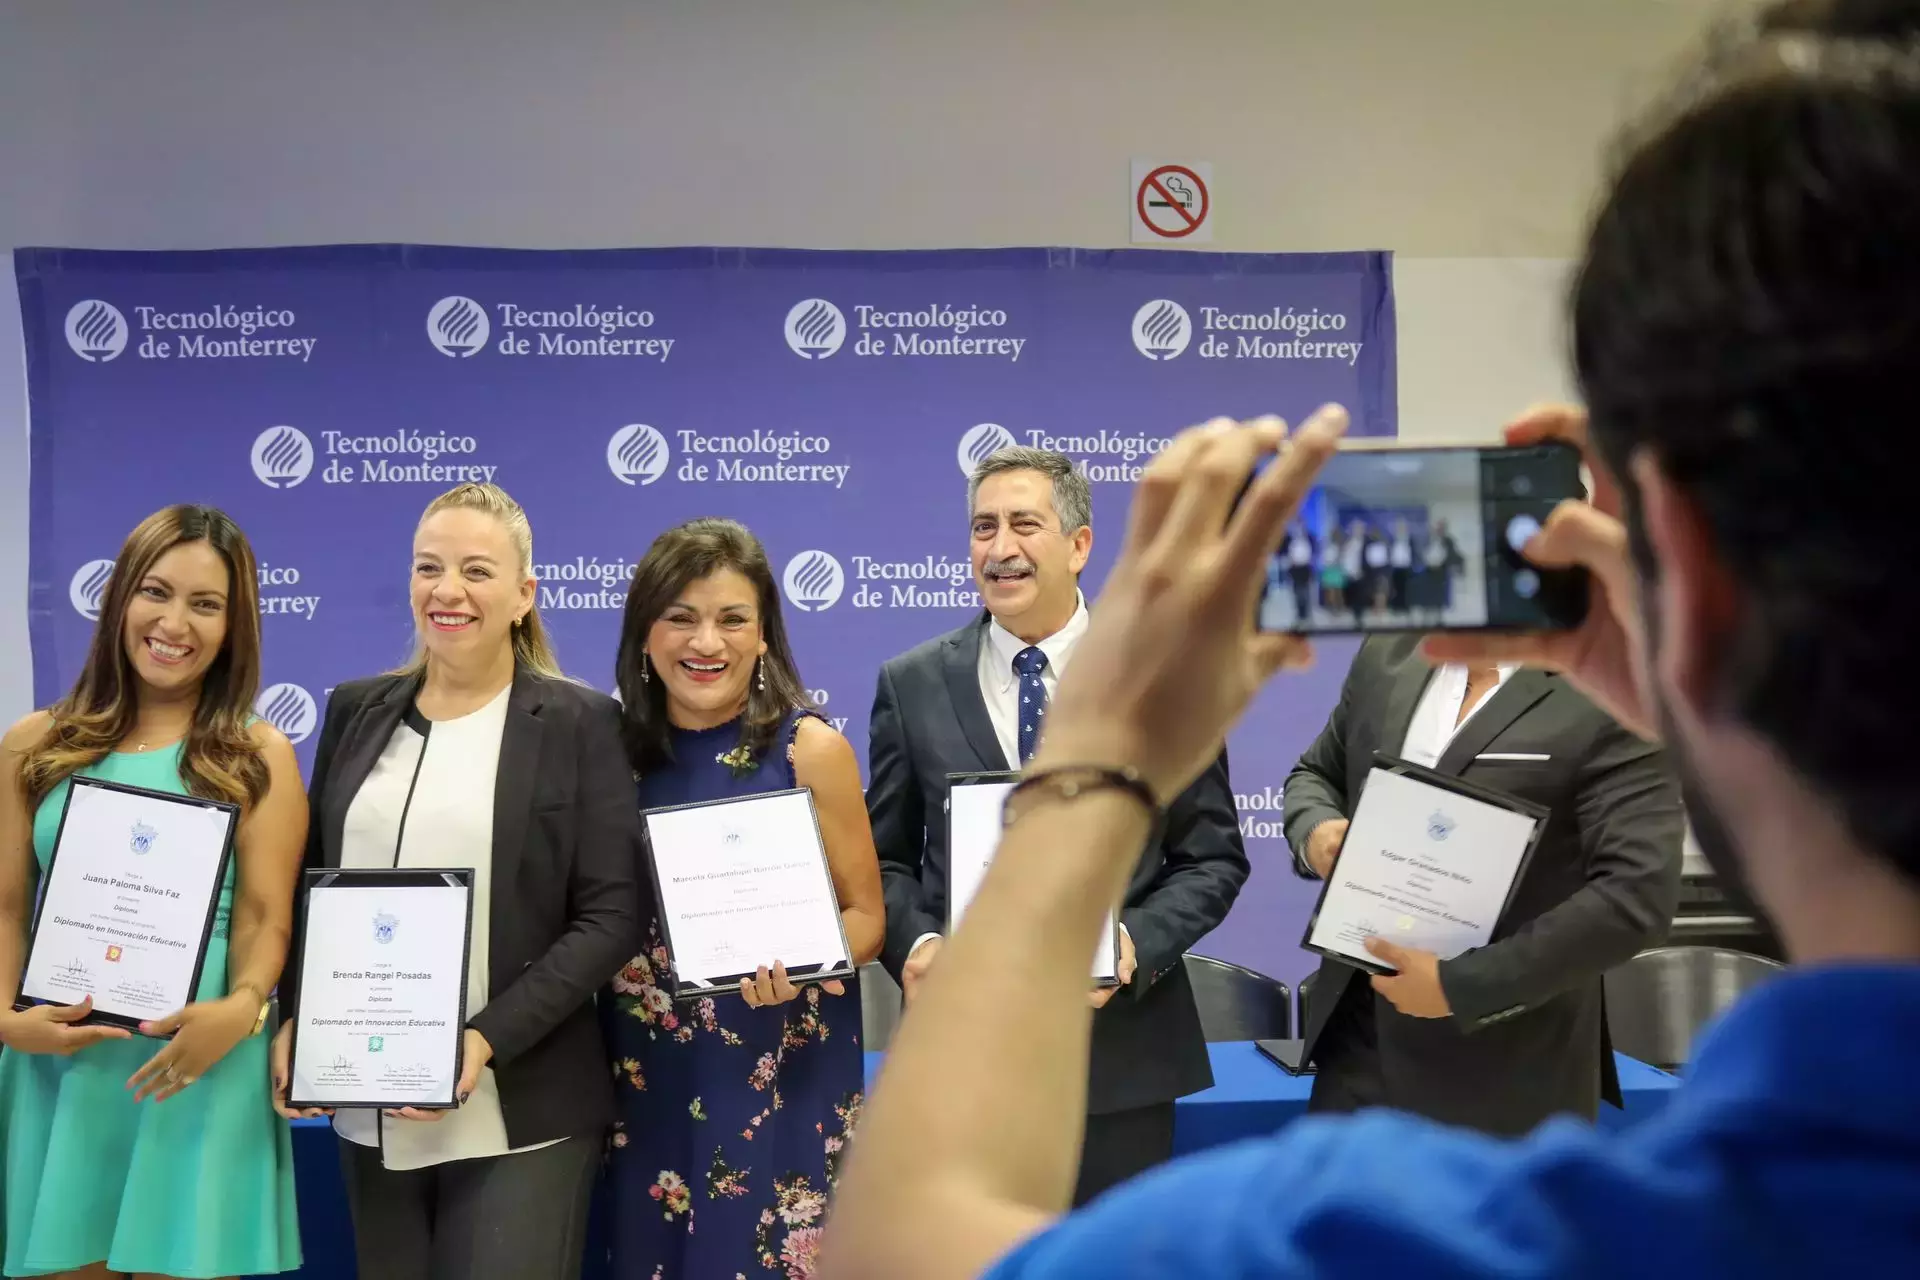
974 805
383 988
128 902
1429 862
745 883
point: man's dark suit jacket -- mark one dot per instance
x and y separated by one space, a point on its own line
1528 1034
566 896
930 720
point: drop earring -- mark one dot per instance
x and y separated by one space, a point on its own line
762 664
646 671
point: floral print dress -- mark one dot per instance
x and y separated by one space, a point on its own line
734 1120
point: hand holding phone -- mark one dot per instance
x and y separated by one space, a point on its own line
1598 655
1427 539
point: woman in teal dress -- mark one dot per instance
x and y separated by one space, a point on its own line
159 1153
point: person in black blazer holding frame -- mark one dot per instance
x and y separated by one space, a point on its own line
481 754
1505 1035
974 700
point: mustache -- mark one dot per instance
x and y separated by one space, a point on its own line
1016 564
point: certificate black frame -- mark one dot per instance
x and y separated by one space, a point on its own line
721 984
1460 787
395 878
100 1017
1008 776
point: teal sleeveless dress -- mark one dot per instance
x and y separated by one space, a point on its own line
200 1185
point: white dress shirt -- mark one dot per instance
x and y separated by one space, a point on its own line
433 797
1433 726
1000 683
1437 718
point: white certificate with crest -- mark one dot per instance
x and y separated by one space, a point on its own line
1430 862
742 884
382 993
975 802
129 901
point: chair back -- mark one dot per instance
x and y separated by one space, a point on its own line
1237 1003
880 1003
1302 994
1658 1001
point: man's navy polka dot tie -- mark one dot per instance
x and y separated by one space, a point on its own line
1028 664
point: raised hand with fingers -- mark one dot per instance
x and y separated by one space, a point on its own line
201 1034
771 987
51 1029
1186 584
1415 990
1599 656
1323 845
1126 965
919 961
281 1059
475 1053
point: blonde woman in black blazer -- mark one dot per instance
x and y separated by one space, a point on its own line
481 754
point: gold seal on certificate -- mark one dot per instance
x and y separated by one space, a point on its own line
745 883
974 805
129 900
383 989
1430 862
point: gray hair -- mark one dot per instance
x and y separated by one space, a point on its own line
1072 499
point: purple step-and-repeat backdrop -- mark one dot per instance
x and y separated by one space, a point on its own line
833 401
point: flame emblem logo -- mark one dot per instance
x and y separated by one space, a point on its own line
89 588
96 330
282 457
638 454
981 443
1162 329
814 581
815 328
288 708
457 326
141 839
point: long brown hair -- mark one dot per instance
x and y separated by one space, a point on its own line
219 760
531 647
683 554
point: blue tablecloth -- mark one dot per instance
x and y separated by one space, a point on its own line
1250 1096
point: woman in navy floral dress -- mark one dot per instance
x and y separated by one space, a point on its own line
737 1108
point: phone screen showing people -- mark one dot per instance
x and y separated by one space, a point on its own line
1426 540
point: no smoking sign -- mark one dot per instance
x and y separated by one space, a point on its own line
1172 203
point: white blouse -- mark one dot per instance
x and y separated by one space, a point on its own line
429 803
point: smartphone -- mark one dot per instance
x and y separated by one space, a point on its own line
1392 538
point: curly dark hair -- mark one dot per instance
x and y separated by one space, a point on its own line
1748 312
686 553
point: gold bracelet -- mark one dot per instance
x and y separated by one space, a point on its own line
260 1019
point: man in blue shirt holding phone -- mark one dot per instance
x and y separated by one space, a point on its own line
1747 338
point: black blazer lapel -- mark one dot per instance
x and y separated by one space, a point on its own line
513 788
962 663
361 745
1520 691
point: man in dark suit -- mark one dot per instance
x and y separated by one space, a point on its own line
1502 1036
974 700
